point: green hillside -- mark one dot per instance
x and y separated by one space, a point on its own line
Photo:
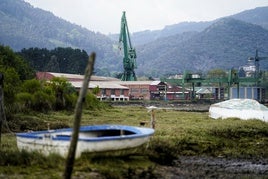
196 46
257 16
23 26
225 44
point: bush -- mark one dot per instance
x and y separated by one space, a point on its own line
24 101
93 103
70 101
43 102
31 86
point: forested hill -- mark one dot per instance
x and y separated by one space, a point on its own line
257 16
196 46
225 44
23 26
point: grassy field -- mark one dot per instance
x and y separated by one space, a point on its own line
177 133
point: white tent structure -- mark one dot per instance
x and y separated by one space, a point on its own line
239 108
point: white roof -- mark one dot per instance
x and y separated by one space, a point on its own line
81 77
133 82
155 82
67 75
204 91
101 85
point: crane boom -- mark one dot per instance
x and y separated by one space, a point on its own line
129 59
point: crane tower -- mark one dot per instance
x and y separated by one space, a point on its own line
129 59
256 61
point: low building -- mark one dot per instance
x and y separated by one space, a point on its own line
158 90
71 77
117 90
109 87
163 91
178 93
138 90
205 93
107 90
257 93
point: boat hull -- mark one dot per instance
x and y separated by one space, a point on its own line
98 138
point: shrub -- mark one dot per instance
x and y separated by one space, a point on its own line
43 102
92 102
31 86
70 101
24 101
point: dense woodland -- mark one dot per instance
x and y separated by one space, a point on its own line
223 43
60 60
24 94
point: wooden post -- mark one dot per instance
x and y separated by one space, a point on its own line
77 119
2 109
152 119
152 110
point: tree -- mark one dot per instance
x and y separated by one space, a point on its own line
8 59
11 84
61 60
52 65
15 70
62 90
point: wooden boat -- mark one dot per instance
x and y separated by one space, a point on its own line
95 138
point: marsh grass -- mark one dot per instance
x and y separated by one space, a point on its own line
177 133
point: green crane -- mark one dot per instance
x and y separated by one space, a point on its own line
129 60
257 59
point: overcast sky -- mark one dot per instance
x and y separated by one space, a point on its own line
104 15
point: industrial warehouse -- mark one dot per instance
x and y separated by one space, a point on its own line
116 90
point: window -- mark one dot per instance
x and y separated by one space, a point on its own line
112 92
103 91
144 90
121 92
135 90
